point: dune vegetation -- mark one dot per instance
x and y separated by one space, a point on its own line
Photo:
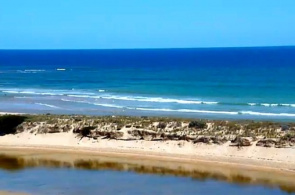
239 133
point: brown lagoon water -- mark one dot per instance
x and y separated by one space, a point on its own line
40 173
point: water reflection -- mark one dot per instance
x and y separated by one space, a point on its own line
285 183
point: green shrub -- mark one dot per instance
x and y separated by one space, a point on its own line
8 123
198 124
232 126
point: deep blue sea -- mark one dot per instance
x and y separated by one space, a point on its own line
217 83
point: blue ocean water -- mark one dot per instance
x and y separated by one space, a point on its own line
219 83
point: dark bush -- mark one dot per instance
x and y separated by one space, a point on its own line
287 137
8 123
162 125
205 140
285 127
85 131
197 124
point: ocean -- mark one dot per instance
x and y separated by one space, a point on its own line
216 83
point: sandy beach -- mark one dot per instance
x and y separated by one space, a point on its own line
171 140
251 166
163 146
280 159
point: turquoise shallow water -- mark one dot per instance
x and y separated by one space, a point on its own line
235 83
71 181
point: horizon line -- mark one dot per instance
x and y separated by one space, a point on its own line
155 48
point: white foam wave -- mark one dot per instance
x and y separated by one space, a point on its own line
23 97
154 99
288 105
61 69
81 96
47 105
10 91
143 99
108 105
97 104
267 114
209 111
65 100
31 92
210 102
154 109
75 101
269 105
93 95
188 110
30 71
35 70
219 112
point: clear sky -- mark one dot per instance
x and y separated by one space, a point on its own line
96 24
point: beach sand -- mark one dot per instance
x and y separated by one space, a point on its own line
273 167
90 158
279 159
58 141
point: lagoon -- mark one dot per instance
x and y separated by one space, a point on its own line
60 173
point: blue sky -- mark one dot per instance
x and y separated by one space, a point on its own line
96 24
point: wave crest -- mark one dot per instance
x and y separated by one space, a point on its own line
47 105
98 95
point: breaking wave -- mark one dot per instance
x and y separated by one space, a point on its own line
99 95
189 110
47 105
145 99
219 112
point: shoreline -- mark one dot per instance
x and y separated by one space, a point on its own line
200 170
243 144
87 158
232 152
237 162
